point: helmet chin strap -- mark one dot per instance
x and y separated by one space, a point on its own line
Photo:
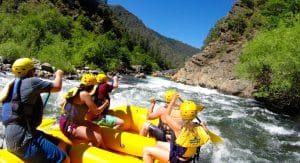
198 119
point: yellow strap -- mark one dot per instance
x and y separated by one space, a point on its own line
46 123
71 92
62 110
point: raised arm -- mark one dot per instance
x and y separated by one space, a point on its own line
151 114
115 82
172 124
57 82
87 98
103 106
166 118
171 104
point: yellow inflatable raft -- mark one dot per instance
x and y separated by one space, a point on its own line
125 146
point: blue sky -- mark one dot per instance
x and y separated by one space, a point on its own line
188 21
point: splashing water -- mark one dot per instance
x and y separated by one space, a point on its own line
250 132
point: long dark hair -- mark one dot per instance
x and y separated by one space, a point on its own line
83 87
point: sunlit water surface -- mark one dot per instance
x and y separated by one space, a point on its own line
250 132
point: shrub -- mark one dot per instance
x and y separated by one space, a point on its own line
11 50
276 52
57 54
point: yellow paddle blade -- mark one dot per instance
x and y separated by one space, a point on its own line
46 123
215 139
200 107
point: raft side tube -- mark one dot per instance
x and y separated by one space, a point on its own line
126 142
83 153
134 117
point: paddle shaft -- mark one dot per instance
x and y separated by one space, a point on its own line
45 102
158 100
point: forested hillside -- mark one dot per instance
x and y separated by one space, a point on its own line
173 51
254 52
70 34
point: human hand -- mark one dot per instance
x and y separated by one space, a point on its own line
115 77
59 73
203 124
152 99
175 96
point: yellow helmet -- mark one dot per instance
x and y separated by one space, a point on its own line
188 110
88 79
169 94
22 66
101 78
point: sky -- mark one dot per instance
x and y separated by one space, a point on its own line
188 21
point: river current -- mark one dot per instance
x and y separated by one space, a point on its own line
250 132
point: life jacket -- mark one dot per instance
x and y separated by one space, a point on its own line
188 143
195 138
12 111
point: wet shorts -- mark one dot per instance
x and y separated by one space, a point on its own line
66 127
41 149
108 120
178 160
157 133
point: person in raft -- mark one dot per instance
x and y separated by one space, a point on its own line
186 141
102 100
162 132
23 111
77 102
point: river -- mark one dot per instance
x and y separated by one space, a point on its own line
250 132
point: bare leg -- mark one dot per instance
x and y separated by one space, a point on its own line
152 153
163 145
89 132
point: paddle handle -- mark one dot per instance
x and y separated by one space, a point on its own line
158 100
180 99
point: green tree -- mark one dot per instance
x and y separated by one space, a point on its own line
272 59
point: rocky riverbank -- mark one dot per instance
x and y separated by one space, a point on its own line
213 68
46 70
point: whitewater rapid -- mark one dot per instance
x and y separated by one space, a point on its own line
250 132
